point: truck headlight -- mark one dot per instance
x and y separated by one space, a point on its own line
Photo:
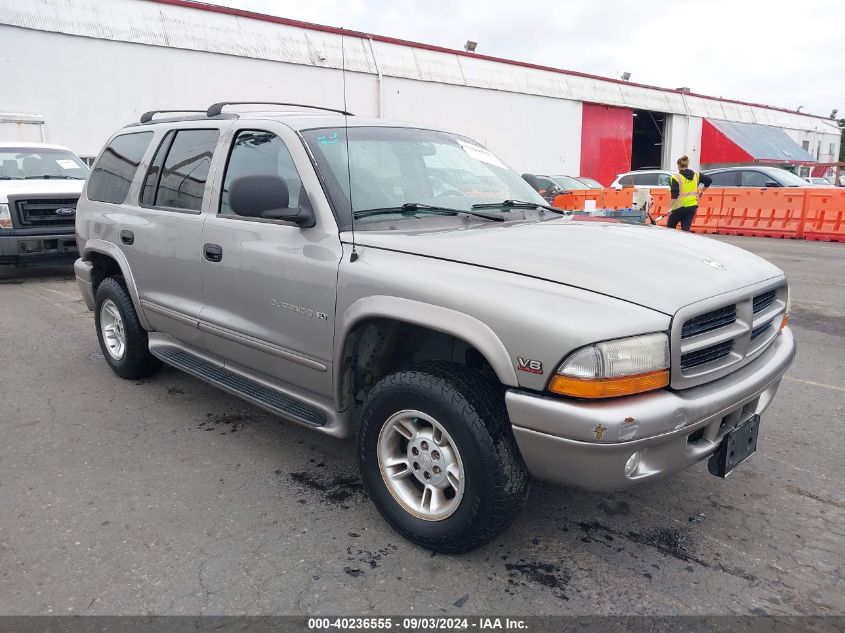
5 216
614 368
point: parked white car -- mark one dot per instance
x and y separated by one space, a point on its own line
644 179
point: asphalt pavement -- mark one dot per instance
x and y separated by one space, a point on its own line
168 496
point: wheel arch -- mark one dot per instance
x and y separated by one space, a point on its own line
436 319
94 251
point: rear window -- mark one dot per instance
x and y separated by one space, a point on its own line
113 173
626 180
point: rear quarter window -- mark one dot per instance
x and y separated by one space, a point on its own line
113 172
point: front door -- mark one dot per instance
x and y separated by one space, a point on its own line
269 296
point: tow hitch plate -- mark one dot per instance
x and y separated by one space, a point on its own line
737 446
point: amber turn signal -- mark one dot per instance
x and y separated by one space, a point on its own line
608 387
785 321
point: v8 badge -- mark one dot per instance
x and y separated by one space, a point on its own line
531 366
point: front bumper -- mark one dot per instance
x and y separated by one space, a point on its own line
586 444
84 272
27 249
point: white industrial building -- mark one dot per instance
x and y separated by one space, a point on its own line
75 70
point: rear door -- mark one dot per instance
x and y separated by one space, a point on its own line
163 240
269 299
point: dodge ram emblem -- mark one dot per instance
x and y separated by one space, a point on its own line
715 264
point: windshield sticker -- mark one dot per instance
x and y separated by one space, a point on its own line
327 140
67 164
479 153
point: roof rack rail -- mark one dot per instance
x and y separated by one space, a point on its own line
217 108
148 116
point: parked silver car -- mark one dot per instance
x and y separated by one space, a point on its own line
403 285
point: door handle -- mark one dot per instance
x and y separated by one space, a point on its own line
213 252
127 237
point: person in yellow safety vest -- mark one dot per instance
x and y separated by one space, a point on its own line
686 188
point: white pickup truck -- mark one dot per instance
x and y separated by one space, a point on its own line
39 188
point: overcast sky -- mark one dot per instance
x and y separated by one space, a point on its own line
780 53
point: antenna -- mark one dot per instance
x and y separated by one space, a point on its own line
354 255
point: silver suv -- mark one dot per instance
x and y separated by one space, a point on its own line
400 284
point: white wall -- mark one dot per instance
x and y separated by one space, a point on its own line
548 141
97 86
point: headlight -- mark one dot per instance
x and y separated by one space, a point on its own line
5 217
614 368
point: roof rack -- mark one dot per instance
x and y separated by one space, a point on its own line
217 108
148 116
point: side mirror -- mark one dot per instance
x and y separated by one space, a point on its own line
772 183
267 197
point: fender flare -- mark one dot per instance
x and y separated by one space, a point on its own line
103 247
458 324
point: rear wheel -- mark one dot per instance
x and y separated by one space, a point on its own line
123 340
438 457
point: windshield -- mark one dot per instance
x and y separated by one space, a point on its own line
21 163
389 167
592 184
567 182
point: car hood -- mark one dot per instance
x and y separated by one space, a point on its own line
650 266
36 187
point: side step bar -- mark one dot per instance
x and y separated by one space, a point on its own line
270 399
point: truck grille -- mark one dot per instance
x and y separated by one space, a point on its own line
763 301
46 212
706 355
709 321
717 336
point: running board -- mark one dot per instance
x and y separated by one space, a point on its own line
270 399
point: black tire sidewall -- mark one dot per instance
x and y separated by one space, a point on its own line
462 522
136 361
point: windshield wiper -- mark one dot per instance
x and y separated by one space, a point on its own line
409 209
53 177
518 204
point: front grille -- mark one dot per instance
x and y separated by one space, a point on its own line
758 331
706 355
709 321
763 301
43 212
714 337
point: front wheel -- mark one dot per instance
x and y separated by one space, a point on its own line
438 457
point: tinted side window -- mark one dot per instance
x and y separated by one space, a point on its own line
113 173
148 189
754 179
663 180
648 180
626 180
724 179
185 169
259 153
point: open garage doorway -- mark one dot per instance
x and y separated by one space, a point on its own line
647 142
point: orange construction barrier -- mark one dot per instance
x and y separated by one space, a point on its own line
824 218
796 213
616 198
574 200
762 212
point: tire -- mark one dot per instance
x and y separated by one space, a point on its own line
113 305
471 414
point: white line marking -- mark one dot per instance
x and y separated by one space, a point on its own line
814 383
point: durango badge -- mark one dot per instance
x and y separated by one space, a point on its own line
531 366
